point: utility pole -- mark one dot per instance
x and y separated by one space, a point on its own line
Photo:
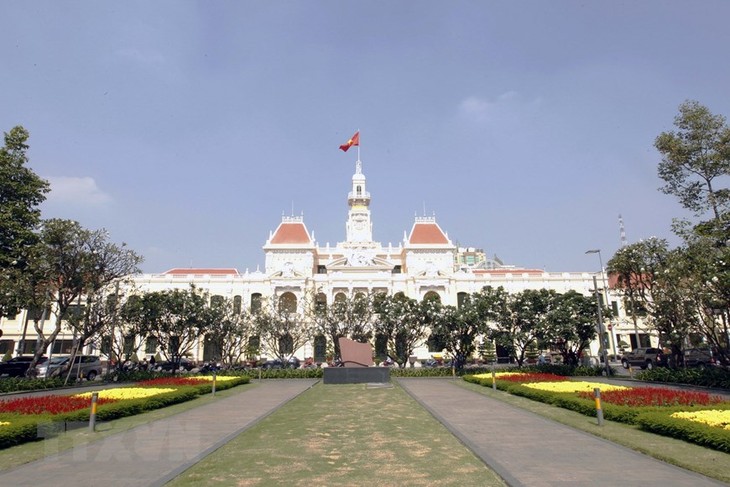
601 344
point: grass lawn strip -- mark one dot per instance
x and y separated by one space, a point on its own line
28 452
712 463
344 435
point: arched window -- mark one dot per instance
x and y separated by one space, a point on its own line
255 302
216 300
460 298
340 298
320 302
286 344
288 303
359 190
432 296
320 348
237 305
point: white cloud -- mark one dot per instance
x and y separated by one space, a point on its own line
83 190
145 57
505 107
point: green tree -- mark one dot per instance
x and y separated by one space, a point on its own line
404 323
695 158
21 191
571 325
344 318
460 328
177 319
703 269
522 321
229 331
282 328
67 264
126 334
657 278
107 267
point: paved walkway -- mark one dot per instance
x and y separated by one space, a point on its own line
525 449
529 450
155 453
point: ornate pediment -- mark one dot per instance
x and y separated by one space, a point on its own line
360 259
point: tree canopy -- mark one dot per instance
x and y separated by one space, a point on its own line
21 191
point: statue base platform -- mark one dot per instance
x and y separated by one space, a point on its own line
356 375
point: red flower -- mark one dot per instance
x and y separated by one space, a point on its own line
48 404
655 396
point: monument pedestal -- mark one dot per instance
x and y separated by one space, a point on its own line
356 375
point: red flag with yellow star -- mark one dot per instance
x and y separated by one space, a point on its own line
354 140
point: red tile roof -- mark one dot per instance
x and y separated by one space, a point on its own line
498 272
291 233
203 271
427 233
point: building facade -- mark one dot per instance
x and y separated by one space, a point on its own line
425 263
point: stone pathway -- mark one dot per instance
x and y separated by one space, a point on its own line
529 450
154 453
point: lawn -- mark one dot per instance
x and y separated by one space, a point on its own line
344 435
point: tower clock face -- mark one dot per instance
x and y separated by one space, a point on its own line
359 227
359 222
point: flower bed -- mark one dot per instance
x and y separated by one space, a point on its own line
697 417
21 419
47 404
655 396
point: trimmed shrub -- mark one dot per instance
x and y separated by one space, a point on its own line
662 423
710 377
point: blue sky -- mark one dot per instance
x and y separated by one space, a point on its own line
187 128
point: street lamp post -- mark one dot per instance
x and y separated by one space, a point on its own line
605 293
602 346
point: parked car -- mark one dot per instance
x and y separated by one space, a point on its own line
292 363
183 363
18 366
646 358
698 357
86 366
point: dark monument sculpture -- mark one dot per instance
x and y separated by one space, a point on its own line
357 365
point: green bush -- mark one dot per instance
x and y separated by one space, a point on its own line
278 373
423 372
708 377
662 423
566 370
21 429
15 384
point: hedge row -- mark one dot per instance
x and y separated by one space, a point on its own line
707 377
15 384
661 423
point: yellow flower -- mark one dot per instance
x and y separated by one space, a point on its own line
712 417
123 393
218 378
488 375
4 423
571 386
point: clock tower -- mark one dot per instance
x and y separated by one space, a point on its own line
359 226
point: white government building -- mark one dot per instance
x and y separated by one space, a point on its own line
425 263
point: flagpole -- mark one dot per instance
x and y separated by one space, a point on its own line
358 145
